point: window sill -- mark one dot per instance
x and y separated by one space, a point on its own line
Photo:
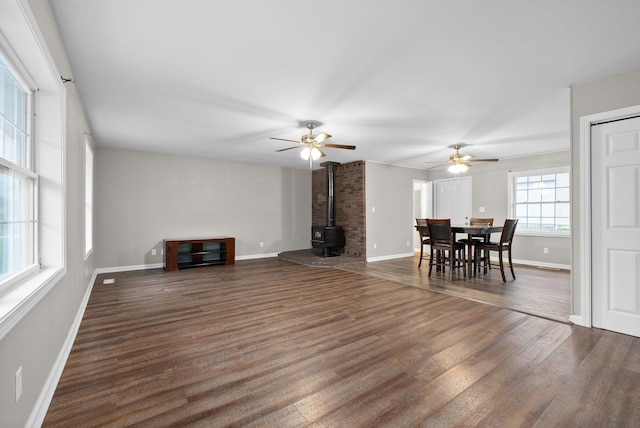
544 235
18 299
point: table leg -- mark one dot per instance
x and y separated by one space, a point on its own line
470 269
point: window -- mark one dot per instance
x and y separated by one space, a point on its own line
88 196
28 145
540 200
17 178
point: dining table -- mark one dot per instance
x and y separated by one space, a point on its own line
471 231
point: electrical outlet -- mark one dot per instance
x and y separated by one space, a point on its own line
375 245
261 244
481 209
153 251
408 243
545 250
18 383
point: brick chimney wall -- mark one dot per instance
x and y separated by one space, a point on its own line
319 200
349 202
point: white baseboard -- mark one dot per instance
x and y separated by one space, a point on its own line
389 257
520 262
39 411
129 268
257 256
538 264
578 320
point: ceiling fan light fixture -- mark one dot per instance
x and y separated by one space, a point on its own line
315 153
310 152
312 144
457 168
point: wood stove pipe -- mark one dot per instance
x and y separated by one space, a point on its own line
330 204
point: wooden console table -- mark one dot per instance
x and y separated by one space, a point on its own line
186 253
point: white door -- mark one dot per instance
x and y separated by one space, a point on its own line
422 202
453 199
615 173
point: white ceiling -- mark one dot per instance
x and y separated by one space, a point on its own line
402 80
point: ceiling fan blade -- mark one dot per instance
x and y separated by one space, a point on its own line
288 148
483 160
320 138
321 152
339 146
284 139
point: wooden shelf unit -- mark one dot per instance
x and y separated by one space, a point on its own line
187 253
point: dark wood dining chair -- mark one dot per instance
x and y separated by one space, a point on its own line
423 231
448 251
505 244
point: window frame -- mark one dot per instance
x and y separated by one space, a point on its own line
89 166
26 171
24 47
512 198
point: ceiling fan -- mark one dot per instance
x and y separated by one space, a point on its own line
460 162
311 144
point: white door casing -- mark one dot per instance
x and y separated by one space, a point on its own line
615 181
453 199
422 205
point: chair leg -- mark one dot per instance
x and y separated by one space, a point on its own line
504 278
421 252
487 261
477 261
464 262
511 265
432 259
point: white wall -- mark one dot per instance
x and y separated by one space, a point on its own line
37 341
598 96
143 198
389 190
490 190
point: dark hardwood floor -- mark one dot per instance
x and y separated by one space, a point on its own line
276 344
537 291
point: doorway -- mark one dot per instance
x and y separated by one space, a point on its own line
422 205
615 210
610 283
453 199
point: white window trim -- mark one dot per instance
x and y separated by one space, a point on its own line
89 198
25 48
27 171
511 197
